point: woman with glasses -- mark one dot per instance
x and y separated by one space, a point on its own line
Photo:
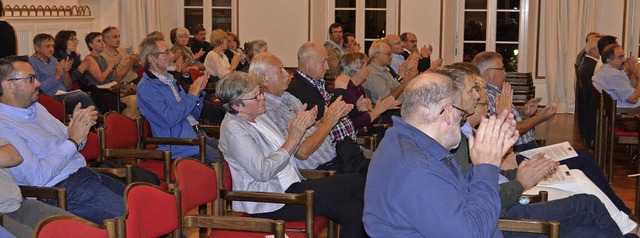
262 159
180 40
66 45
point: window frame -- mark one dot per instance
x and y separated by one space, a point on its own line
207 9
391 26
490 38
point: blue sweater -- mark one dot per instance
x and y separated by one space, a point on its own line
416 189
46 75
167 116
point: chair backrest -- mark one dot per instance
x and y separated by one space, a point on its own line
91 150
599 136
198 183
55 107
120 132
63 226
608 128
151 212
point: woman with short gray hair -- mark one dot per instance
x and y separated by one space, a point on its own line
261 159
354 65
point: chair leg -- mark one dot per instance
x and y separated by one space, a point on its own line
332 230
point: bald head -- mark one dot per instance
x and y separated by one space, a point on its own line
312 59
395 43
270 70
425 97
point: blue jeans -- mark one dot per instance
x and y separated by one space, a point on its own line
93 196
74 98
581 215
212 153
587 164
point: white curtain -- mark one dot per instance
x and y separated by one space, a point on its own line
567 22
138 18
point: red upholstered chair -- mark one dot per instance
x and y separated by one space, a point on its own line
54 106
198 186
92 152
311 226
119 139
153 212
64 226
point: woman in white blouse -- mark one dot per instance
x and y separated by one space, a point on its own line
216 62
261 160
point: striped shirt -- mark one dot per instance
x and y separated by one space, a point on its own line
492 91
281 110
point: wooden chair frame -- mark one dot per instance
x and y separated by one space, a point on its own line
305 199
109 224
59 194
200 141
275 227
550 228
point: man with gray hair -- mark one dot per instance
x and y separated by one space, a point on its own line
316 150
415 188
380 82
308 85
170 110
127 61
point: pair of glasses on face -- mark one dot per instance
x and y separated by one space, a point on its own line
166 52
464 115
259 95
32 78
499 69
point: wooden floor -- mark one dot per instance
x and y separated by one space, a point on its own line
563 128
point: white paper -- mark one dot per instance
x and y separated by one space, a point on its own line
60 92
107 86
562 175
557 152
272 236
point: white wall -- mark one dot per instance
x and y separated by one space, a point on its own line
422 17
285 27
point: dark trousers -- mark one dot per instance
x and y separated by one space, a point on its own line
581 215
92 196
587 164
339 198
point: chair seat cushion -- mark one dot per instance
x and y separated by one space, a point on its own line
157 167
320 223
620 131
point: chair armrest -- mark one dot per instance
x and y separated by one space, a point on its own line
171 141
59 194
126 172
316 174
285 198
542 196
211 130
234 223
550 228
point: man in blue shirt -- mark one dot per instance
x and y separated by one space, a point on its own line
170 110
415 188
54 76
50 149
613 79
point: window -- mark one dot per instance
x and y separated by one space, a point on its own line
219 11
367 19
492 25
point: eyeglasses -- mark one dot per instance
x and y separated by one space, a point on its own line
32 78
166 52
499 69
413 41
464 113
259 95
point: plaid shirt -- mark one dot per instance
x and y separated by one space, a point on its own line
492 91
345 127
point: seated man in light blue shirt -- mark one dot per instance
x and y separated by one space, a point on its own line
20 215
54 76
50 149
613 79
